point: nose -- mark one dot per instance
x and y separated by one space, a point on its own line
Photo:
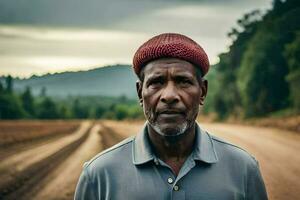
170 94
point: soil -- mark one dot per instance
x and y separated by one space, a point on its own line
275 149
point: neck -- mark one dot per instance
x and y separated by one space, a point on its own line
176 148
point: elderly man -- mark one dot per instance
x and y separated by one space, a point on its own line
172 157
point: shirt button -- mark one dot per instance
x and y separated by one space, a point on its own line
156 162
176 188
170 180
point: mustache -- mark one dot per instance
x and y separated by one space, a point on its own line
153 113
170 111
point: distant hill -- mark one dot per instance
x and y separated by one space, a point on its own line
112 81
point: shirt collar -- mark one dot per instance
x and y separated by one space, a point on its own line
204 148
141 148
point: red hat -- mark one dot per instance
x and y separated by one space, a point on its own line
171 45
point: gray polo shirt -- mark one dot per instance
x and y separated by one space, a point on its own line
216 170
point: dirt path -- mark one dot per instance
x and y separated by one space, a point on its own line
276 150
60 184
23 170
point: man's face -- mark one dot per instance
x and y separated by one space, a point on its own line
170 95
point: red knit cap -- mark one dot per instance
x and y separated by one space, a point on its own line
171 45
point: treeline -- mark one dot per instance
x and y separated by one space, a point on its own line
24 105
260 74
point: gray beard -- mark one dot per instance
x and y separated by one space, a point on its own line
179 130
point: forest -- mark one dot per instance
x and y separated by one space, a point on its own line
260 74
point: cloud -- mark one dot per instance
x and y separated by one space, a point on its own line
48 35
75 13
100 13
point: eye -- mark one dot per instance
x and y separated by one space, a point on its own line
155 82
185 81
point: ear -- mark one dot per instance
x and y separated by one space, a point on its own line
139 88
203 88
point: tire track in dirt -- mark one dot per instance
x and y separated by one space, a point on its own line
109 136
61 183
8 151
22 171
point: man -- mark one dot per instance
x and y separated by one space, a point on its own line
172 157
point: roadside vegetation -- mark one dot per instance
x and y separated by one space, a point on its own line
14 105
259 76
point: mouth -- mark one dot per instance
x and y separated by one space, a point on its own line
170 113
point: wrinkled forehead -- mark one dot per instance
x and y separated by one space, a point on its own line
169 66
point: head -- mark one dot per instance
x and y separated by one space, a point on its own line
171 88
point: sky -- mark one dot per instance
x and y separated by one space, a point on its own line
39 37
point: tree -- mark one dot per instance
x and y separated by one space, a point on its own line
261 77
80 111
292 54
10 107
1 88
121 111
28 102
43 92
251 76
135 112
100 110
9 84
48 109
227 99
64 112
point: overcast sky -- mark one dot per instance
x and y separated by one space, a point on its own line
55 36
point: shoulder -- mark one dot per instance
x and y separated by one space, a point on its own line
114 155
232 153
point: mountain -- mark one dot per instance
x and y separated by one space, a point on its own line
112 81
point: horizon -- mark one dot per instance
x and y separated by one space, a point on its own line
67 71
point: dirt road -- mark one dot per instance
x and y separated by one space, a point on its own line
22 171
276 151
62 181
60 184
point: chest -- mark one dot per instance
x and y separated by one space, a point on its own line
158 182
175 165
